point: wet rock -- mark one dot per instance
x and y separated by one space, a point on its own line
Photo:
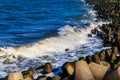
66 50
40 67
21 58
107 45
82 71
96 58
89 59
25 74
68 68
42 78
89 35
113 75
102 56
31 72
115 50
98 70
68 78
117 62
8 61
81 58
117 43
48 68
106 64
15 76
107 54
56 78
113 57
29 78
94 31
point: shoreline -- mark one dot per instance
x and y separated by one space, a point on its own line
111 37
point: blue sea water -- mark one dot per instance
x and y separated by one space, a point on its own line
33 32
28 21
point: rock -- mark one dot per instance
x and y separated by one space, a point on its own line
31 72
25 74
68 68
117 43
102 56
89 35
94 31
98 70
68 78
66 50
21 58
107 54
104 63
107 45
15 76
56 78
29 78
117 62
81 58
96 58
113 75
40 67
42 78
82 71
115 50
89 59
7 61
113 57
48 67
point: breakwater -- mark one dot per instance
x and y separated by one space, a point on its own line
103 65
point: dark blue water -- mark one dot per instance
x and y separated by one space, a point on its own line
28 21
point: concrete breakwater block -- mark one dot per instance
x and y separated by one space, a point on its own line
41 78
82 71
99 70
15 76
113 75
56 78
115 50
29 78
48 68
68 68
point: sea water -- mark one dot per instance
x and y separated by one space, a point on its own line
33 32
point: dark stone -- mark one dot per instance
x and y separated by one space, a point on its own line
102 56
56 78
89 35
96 59
107 54
48 67
107 45
115 50
66 50
25 74
89 59
42 78
31 72
40 67
113 57
81 58
68 68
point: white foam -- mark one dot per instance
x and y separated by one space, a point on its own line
69 37
74 38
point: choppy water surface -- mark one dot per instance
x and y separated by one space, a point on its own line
28 21
33 32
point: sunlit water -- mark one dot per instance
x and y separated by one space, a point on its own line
33 32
